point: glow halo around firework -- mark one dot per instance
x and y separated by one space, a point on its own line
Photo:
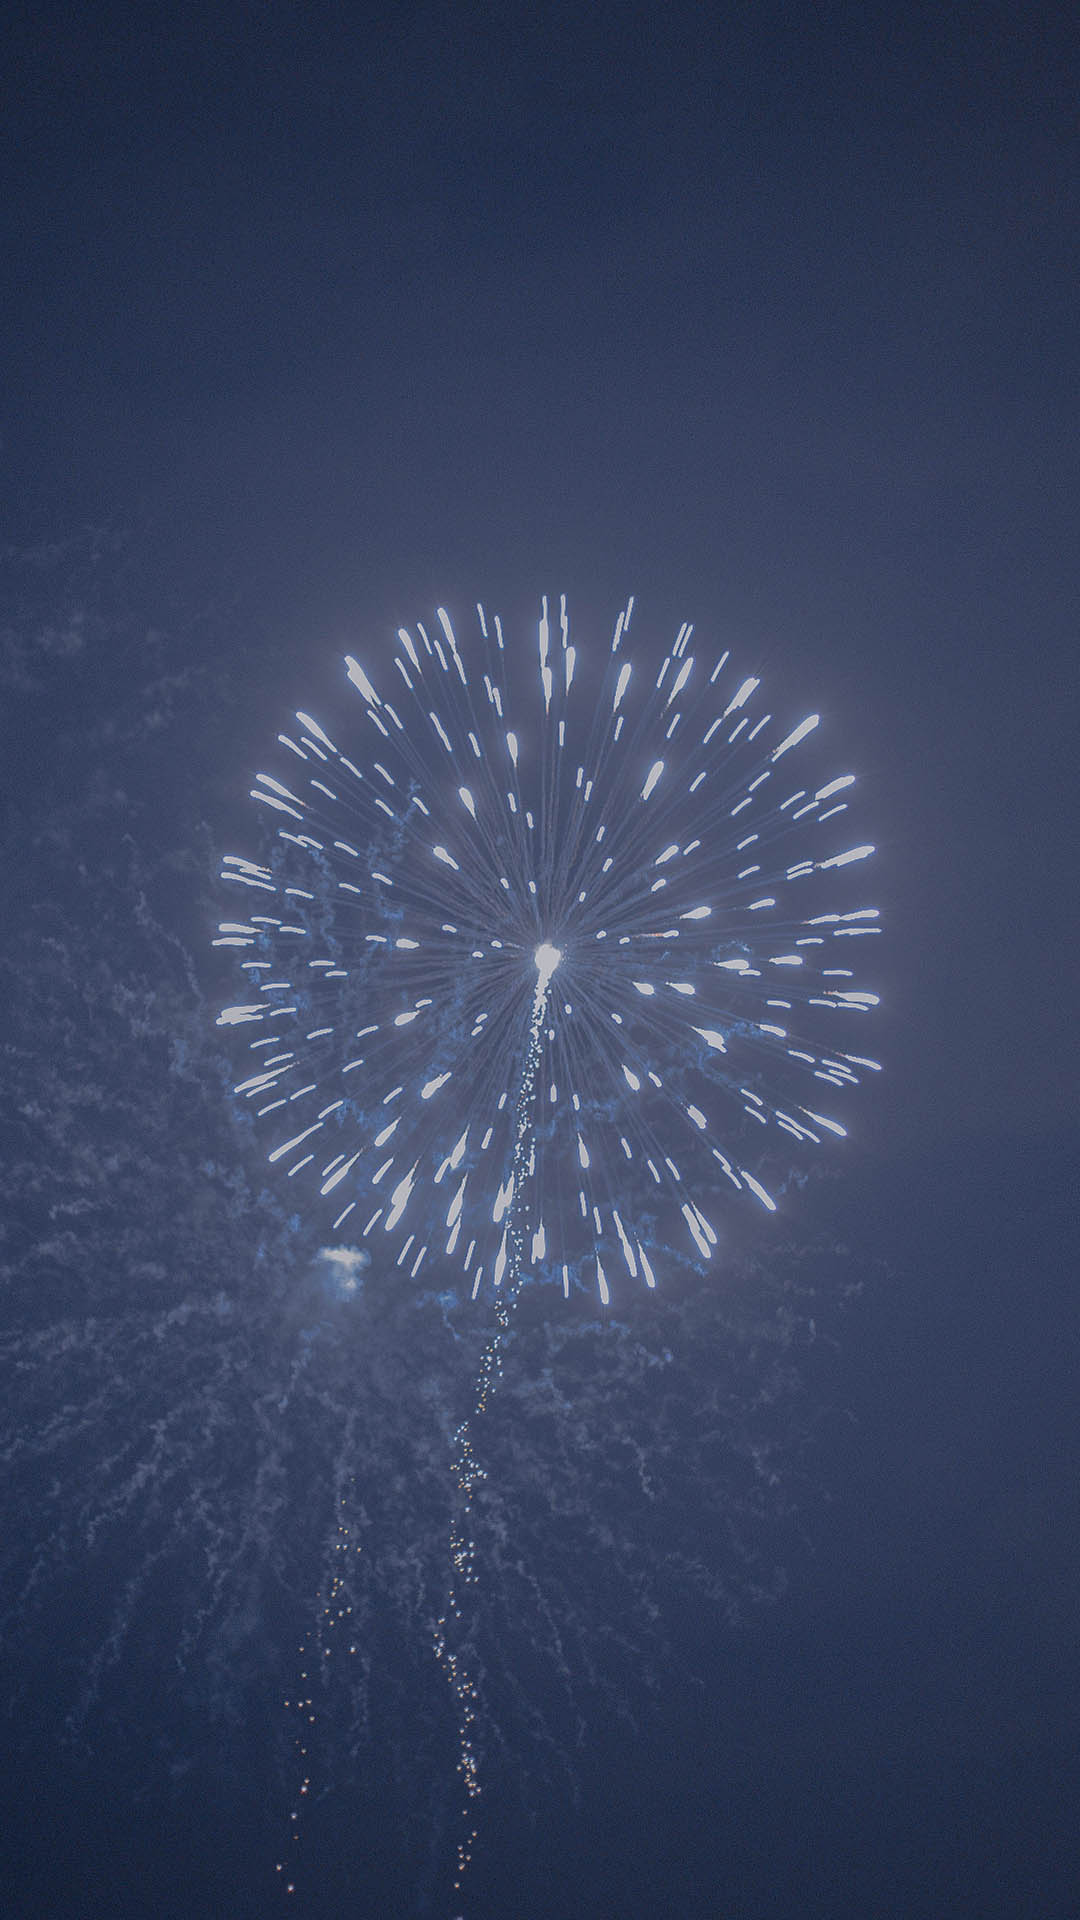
530 980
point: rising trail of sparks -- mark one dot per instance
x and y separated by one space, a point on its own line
468 1472
317 1646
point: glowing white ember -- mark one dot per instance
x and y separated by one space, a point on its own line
546 959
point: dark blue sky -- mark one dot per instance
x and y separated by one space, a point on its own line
320 315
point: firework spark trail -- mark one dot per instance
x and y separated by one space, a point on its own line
468 1471
317 1645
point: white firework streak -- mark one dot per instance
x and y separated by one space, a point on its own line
657 837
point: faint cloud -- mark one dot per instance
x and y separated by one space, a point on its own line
342 1268
24 655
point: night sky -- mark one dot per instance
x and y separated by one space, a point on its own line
318 317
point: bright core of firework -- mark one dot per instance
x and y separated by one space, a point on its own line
692 856
546 959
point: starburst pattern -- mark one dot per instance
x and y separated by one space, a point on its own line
542 954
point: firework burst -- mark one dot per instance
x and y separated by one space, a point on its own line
545 965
